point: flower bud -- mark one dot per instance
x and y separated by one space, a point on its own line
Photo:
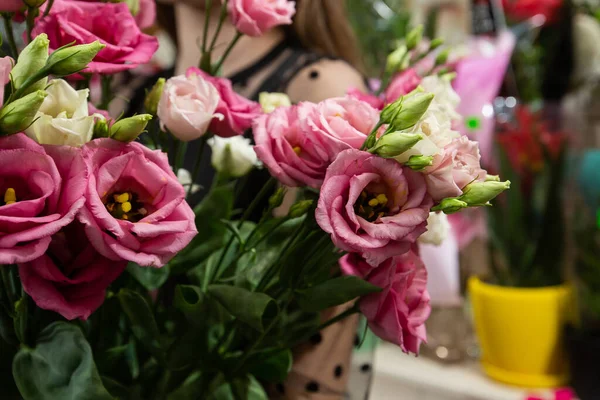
395 59
393 144
270 101
435 43
34 3
492 178
478 194
417 163
233 157
389 112
31 60
128 129
442 57
413 108
300 208
152 98
17 115
69 59
450 205
277 198
414 37
101 129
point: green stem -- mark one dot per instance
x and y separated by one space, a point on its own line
352 310
221 20
6 281
48 7
266 189
208 8
11 37
238 35
31 14
373 133
198 162
106 81
180 155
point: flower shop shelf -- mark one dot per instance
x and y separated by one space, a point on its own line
398 375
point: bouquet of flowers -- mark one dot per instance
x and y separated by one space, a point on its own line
113 286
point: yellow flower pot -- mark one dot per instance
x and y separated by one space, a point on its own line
520 331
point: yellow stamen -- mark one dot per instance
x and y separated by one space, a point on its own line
126 207
382 199
122 198
10 196
125 217
297 150
373 202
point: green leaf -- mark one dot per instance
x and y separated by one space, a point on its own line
255 309
143 324
116 388
189 389
334 292
272 365
61 366
189 299
149 277
249 389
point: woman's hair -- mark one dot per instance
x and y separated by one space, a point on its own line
321 26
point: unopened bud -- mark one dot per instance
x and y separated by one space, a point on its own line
34 3
128 129
478 194
393 144
395 58
389 112
101 128
277 198
17 115
413 108
69 59
435 43
417 163
300 208
152 98
450 205
442 57
31 60
492 178
271 101
414 37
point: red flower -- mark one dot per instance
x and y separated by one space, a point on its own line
524 9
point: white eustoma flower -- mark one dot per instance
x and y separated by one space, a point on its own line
63 118
185 178
233 156
438 229
271 101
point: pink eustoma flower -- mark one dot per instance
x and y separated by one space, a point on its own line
6 64
71 278
135 208
238 112
454 168
398 313
372 206
41 191
112 24
402 84
370 99
255 17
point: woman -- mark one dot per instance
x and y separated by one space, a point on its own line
315 58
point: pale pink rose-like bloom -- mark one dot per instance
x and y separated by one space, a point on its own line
160 222
376 232
402 84
49 184
11 5
370 99
255 17
238 111
112 24
294 157
6 64
76 286
454 168
341 123
188 106
398 313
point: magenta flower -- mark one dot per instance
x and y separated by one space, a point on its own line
12 5
112 24
402 84
6 64
71 278
398 313
294 157
41 191
454 168
372 206
238 112
255 17
135 208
